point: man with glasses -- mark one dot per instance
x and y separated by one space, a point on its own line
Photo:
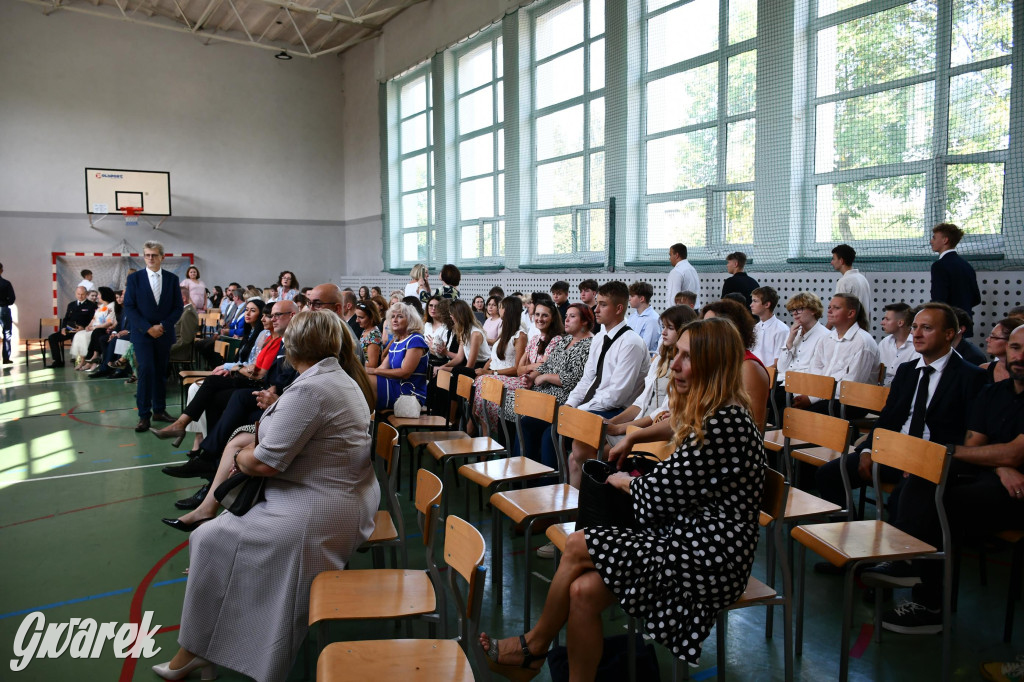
330 297
152 301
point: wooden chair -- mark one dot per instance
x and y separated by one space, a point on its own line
41 341
512 469
528 505
881 374
871 398
801 383
850 544
450 451
659 450
814 439
388 523
425 660
384 594
441 424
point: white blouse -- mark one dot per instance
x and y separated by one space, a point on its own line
498 362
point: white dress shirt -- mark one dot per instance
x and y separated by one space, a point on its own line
156 283
798 358
857 284
851 357
682 277
933 382
622 379
771 335
86 284
648 325
893 356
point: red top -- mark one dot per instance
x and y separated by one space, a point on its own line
268 353
747 356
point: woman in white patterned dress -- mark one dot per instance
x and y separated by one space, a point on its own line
247 597
697 516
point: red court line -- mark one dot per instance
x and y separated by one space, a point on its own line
95 506
135 611
71 415
863 640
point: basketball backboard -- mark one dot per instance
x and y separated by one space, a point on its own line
112 191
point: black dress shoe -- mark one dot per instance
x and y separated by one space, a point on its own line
142 426
162 417
178 524
193 468
55 365
120 374
195 500
100 373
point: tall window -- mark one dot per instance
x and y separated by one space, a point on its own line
911 118
567 64
698 129
417 232
480 138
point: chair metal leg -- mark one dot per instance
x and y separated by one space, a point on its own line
528 532
844 642
497 556
720 632
787 635
798 634
947 623
878 614
1014 592
631 648
770 550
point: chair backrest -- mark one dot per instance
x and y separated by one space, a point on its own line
464 550
492 390
220 348
536 405
916 456
428 500
583 426
774 496
814 385
212 317
387 440
444 379
867 396
659 449
820 429
52 322
881 373
464 387
772 375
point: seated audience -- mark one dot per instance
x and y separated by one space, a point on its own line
492 325
560 295
478 309
364 293
320 498
967 350
709 490
403 371
588 294
301 302
643 319
686 297
473 350
770 332
77 317
395 297
430 321
85 344
86 282
755 376
847 353
348 313
185 329
376 291
370 339
739 281
287 286
897 347
995 344
506 353
804 335
107 345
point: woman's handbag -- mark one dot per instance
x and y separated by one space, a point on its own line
240 492
601 504
407 407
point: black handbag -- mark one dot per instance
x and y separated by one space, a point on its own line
601 504
240 492
614 665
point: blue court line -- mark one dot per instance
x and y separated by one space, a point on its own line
170 582
141 456
79 600
101 461
703 674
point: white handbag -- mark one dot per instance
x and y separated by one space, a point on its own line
407 407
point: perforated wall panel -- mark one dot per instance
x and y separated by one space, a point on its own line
1000 290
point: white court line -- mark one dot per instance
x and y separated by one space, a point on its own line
542 577
90 473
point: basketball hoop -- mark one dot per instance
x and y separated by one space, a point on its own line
131 216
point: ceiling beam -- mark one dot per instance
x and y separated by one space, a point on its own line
303 9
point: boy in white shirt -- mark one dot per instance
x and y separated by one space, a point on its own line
771 331
897 347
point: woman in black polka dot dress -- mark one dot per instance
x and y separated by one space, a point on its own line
697 512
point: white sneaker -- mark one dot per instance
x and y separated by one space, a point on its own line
547 551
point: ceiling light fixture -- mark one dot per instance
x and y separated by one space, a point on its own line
282 55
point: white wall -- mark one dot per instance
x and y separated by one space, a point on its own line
253 144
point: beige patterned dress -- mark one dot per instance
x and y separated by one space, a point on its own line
247 597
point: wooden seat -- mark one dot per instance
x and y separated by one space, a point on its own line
389 525
186 378
424 659
850 544
559 534
383 594
528 505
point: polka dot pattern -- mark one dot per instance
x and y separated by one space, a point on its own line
694 550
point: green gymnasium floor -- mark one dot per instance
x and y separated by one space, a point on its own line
81 496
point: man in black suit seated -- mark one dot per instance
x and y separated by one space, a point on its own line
967 350
953 279
984 493
77 318
952 384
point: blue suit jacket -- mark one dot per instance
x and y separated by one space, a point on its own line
143 311
955 282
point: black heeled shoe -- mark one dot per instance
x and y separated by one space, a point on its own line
178 524
164 434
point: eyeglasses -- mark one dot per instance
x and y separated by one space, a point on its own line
152 255
317 305
277 315
998 338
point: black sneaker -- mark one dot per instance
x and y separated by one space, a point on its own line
890 574
194 468
910 618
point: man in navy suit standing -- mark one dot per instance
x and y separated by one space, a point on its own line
953 279
152 301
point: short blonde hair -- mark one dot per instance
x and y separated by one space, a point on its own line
414 323
806 299
418 271
313 335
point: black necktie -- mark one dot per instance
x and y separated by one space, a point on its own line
608 341
920 403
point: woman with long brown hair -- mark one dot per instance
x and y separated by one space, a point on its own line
697 513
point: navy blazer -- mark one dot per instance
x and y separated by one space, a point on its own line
143 311
955 282
948 410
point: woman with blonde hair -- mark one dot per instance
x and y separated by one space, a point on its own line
403 371
418 280
697 512
319 497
